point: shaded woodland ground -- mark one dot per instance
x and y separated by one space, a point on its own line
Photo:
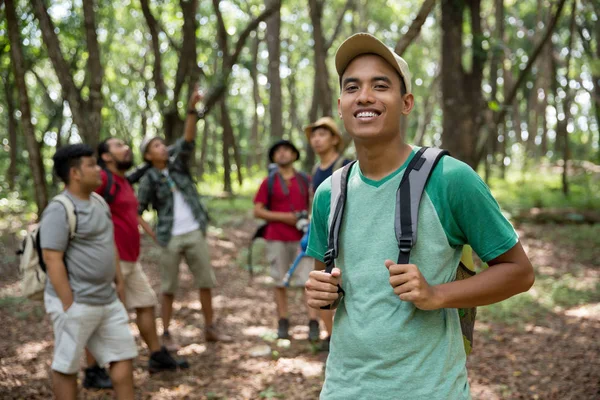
541 345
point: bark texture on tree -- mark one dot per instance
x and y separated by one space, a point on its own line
275 96
87 114
33 147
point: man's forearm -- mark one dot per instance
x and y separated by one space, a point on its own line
190 130
118 274
57 273
271 216
497 283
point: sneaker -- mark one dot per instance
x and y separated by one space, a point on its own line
325 344
163 361
170 343
96 377
313 330
211 334
282 330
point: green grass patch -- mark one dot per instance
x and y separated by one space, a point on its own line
525 190
514 311
549 295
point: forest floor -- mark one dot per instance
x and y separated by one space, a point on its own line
541 345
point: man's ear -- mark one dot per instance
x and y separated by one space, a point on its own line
408 102
106 157
74 174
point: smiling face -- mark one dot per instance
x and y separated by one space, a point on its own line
371 103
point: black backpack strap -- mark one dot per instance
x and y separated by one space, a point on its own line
339 190
273 174
303 183
108 193
408 198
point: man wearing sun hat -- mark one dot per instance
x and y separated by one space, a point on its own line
327 142
397 333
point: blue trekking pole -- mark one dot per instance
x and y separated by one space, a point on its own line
300 256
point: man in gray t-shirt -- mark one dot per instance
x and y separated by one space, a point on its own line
80 297
91 282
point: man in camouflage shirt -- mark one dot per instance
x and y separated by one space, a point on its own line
182 221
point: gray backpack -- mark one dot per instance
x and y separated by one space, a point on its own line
408 199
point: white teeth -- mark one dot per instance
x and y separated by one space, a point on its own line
366 114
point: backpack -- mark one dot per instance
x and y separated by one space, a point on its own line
303 182
112 188
31 265
408 198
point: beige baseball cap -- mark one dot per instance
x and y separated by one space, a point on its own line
364 43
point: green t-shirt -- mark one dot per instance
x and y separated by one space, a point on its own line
382 347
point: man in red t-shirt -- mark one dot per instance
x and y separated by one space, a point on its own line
280 208
115 158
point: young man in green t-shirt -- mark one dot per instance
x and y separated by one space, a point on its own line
397 333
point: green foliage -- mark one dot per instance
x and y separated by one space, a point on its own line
543 189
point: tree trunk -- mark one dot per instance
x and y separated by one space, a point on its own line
227 135
254 155
562 125
86 114
12 132
93 106
273 46
35 159
461 92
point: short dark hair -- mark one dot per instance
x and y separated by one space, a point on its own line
103 148
68 157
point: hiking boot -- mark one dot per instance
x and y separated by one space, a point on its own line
211 334
169 342
325 344
313 330
163 361
96 377
282 330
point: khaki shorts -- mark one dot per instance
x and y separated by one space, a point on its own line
191 246
104 330
138 292
281 256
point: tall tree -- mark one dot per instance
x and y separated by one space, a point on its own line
461 90
12 131
87 113
187 67
562 132
273 38
322 93
33 148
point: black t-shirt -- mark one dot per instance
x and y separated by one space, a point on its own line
322 174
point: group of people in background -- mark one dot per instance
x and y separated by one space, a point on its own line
397 333
95 276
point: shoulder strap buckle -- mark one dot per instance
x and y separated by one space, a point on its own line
405 244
